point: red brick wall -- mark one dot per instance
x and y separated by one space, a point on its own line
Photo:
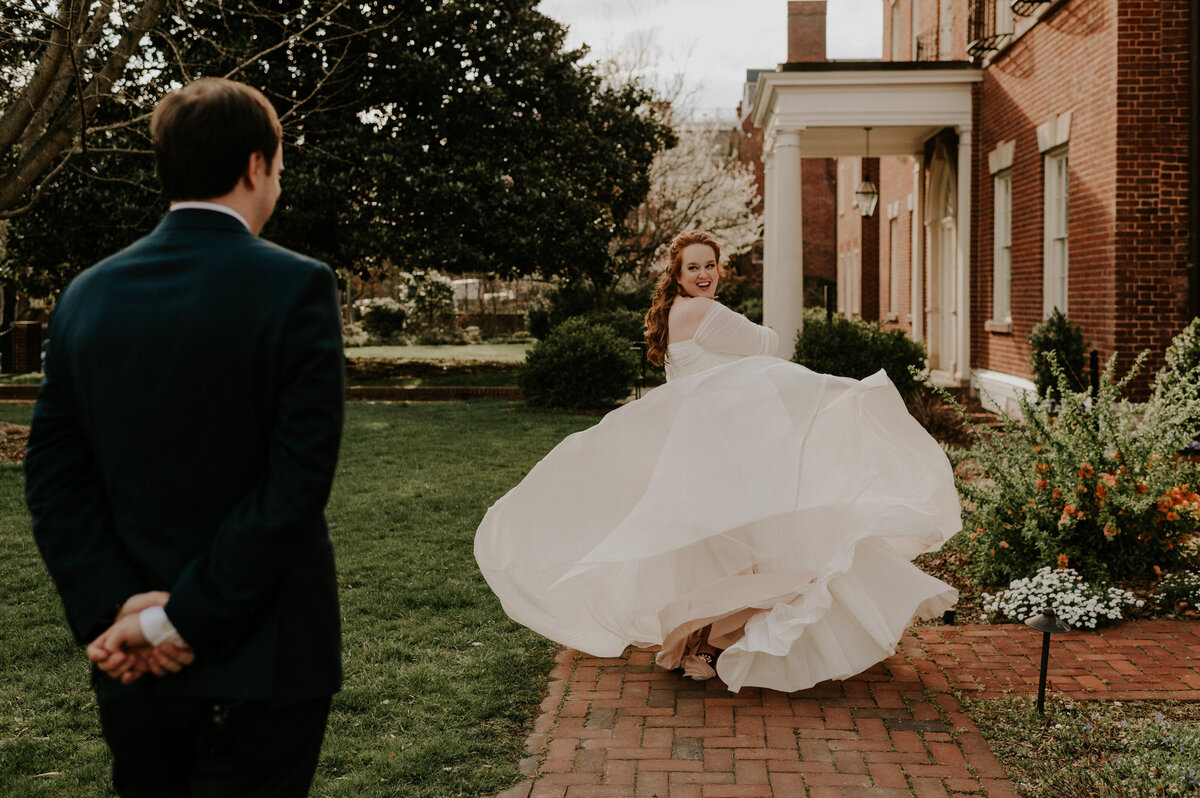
895 186
1067 62
1152 172
818 213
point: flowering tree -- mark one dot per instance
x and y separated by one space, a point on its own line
698 184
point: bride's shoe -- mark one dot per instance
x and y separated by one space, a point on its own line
698 666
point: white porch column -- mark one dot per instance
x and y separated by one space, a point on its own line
783 267
917 274
962 370
770 231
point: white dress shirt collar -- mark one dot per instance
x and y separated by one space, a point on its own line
209 206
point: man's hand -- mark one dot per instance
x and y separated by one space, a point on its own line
136 603
124 653
118 651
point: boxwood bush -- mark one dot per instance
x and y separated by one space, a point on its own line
580 365
856 348
1057 339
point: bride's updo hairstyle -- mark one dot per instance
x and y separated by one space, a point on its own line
667 289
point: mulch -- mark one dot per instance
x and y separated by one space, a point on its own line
13 438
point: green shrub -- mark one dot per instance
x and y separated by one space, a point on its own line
1181 374
1096 487
570 300
382 318
579 365
1058 335
629 324
857 348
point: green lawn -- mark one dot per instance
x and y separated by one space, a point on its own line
440 688
509 353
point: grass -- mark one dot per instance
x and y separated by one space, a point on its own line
510 353
440 687
32 378
1094 749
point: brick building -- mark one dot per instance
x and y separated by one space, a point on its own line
1065 181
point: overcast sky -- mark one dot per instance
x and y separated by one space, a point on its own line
712 43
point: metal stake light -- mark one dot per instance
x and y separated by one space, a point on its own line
1047 623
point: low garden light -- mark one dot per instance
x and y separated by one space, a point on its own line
1047 623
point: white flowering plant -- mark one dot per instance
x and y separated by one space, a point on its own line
1074 601
427 297
1175 588
354 335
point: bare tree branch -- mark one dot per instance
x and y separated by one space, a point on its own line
35 160
22 109
46 181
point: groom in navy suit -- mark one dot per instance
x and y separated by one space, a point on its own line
182 450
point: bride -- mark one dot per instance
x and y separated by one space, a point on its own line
752 517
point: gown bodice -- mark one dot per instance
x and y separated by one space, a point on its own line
722 336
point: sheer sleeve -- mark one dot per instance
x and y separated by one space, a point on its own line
723 330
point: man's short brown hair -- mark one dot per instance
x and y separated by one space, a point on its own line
205 133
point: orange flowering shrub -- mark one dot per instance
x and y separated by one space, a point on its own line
1095 485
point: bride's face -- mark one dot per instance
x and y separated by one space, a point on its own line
698 274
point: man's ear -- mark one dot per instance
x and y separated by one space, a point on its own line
256 170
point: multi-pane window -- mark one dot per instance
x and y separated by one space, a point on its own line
895 22
894 265
1004 18
855 284
916 29
841 188
945 30
843 280
1002 251
1055 247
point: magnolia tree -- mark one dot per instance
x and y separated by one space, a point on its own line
698 184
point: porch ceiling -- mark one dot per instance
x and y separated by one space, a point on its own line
830 103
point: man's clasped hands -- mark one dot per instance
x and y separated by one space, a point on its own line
124 653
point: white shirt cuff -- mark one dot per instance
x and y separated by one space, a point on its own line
157 627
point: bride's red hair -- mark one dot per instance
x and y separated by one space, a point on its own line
667 289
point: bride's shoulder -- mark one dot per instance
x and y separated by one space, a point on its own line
691 308
686 315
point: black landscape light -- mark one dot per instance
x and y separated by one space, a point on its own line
1047 623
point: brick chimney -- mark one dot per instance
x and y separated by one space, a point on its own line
806 30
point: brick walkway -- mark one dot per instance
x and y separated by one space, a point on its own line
621 728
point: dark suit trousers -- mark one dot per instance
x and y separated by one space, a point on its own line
174 747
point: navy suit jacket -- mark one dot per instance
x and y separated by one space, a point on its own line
184 439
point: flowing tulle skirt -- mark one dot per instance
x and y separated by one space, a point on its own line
779 505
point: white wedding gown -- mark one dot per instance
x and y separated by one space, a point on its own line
780 505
